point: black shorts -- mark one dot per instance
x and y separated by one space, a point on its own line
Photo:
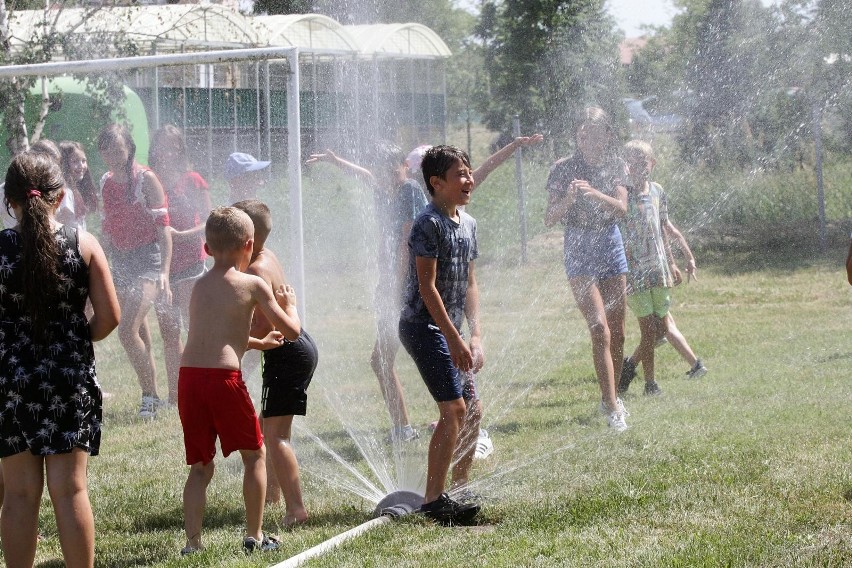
287 372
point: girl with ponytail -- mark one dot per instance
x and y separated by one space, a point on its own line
51 401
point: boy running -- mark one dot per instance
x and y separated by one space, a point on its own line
652 270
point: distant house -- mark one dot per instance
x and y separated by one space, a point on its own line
627 49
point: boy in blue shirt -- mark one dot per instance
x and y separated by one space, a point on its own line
441 291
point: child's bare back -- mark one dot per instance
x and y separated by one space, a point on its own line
222 301
220 311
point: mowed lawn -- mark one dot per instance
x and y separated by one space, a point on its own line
749 466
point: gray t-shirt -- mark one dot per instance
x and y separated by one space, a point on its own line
434 235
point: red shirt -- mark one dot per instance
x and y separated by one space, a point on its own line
183 216
128 220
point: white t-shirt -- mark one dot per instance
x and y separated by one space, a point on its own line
66 214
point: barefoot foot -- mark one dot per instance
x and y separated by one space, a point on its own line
292 520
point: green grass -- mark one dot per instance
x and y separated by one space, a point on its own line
747 467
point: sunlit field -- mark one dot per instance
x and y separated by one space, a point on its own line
748 466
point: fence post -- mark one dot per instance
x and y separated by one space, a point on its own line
519 180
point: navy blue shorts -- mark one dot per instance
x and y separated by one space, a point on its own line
287 372
428 347
598 253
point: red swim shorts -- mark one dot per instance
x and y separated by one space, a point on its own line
211 403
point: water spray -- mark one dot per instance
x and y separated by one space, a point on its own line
393 506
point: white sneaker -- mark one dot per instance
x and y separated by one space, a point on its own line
148 407
403 434
619 406
616 421
484 446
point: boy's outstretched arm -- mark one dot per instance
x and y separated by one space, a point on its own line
349 167
272 340
494 160
471 312
427 268
279 309
675 235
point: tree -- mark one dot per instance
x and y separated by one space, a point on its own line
283 7
545 59
727 78
823 60
49 41
747 75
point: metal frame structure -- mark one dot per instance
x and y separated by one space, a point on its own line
294 143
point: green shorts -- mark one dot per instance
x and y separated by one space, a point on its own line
655 301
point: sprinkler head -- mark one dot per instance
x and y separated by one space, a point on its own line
398 504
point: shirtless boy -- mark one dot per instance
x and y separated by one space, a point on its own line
287 372
213 400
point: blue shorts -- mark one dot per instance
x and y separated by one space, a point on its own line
428 347
598 253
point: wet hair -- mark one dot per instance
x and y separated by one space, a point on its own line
260 216
385 157
594 116
48 148
167 132
113 133
34 182
640 148
227 228
86 186
438 160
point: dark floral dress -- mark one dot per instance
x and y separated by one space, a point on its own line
50 399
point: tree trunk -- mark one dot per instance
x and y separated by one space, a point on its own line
12 94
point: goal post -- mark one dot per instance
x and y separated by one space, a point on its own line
266 54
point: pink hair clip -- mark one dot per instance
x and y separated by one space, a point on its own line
33 193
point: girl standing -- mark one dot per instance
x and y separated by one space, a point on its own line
189 205
51 399
78 179
135 221
585 193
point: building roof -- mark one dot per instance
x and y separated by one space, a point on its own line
629 47
306 31
399 40
182 27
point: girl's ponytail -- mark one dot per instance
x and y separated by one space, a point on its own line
34 183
